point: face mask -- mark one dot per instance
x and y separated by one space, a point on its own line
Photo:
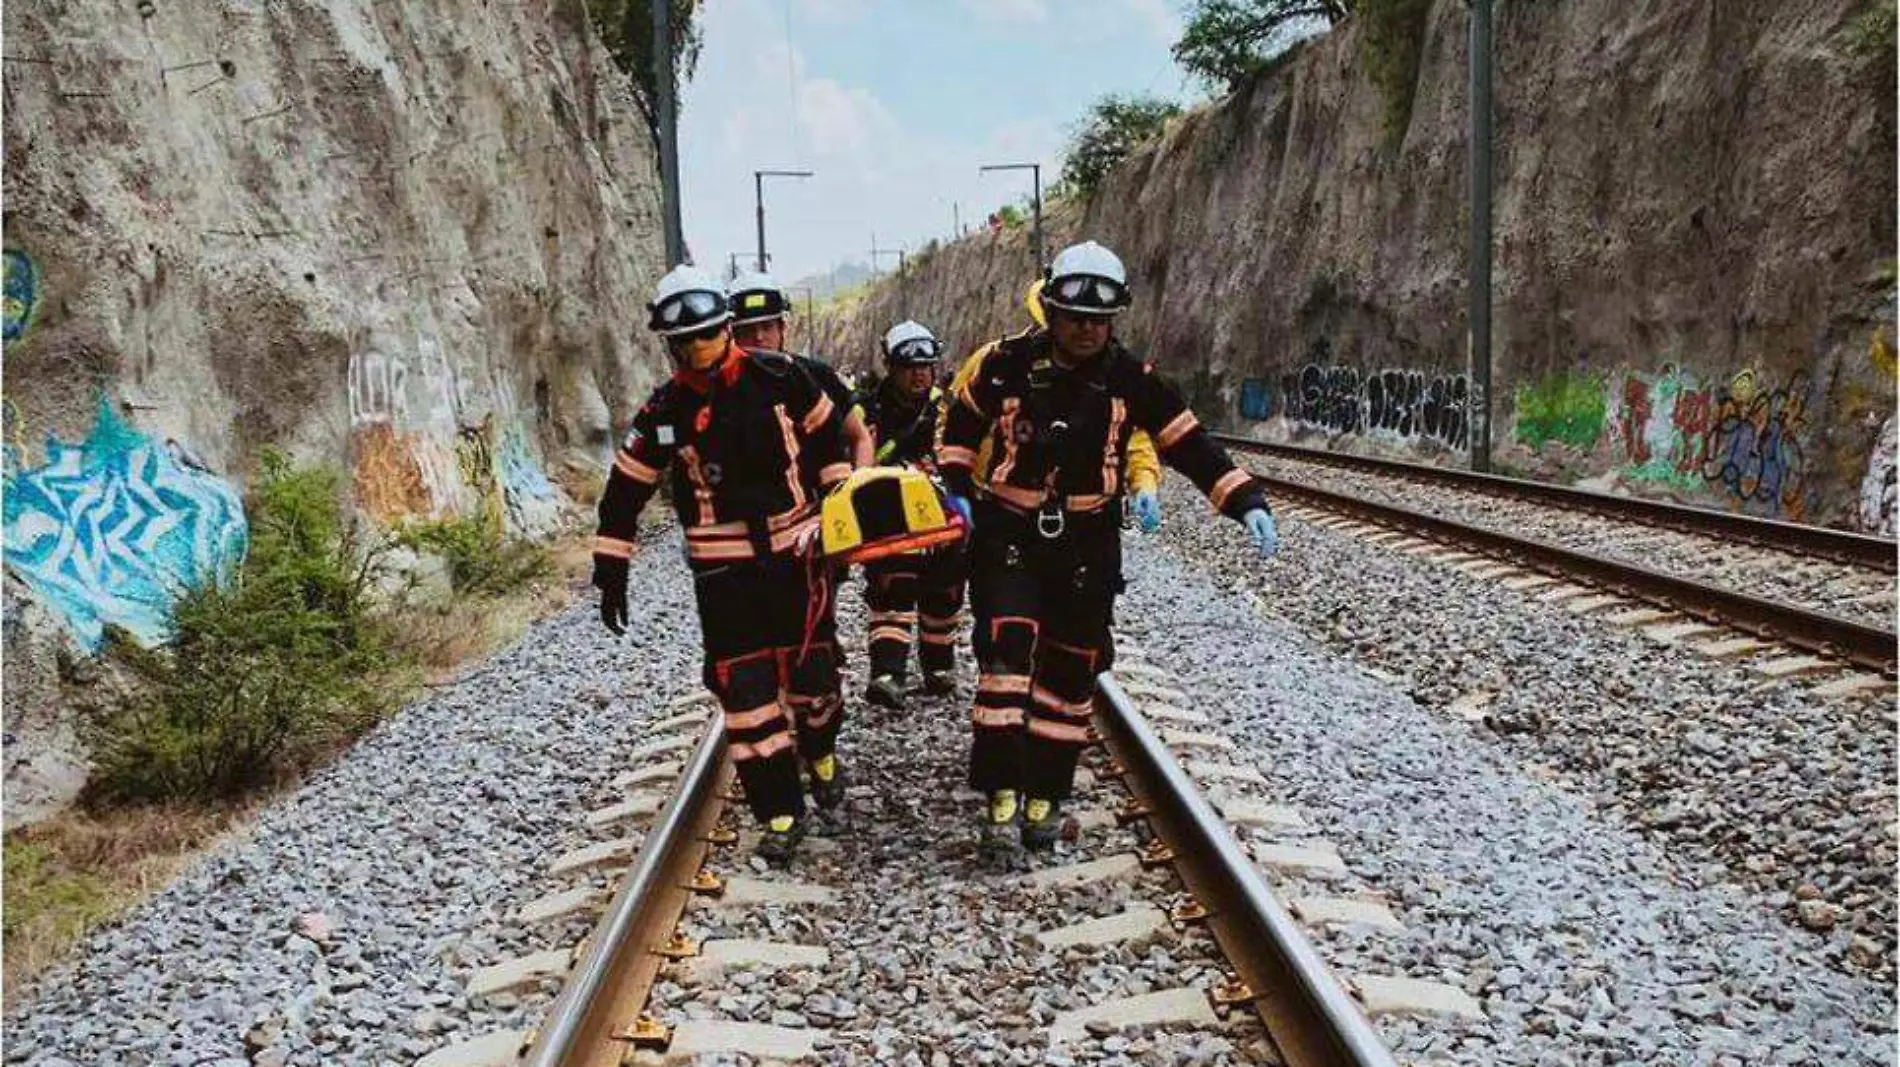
701 354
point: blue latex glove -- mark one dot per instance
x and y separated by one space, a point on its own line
962 507
1266 536
1148 511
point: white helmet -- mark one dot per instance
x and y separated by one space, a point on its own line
910 344
1087 279
755 297
687 300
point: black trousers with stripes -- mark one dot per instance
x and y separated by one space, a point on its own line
1043 608
771 657
921 593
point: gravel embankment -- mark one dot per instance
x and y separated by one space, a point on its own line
1742 779
1858 593
1585 941
438 823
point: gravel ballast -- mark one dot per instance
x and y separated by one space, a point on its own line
1585 939
1861 594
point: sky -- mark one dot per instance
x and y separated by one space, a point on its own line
894 104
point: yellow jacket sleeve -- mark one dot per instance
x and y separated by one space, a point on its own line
1142 465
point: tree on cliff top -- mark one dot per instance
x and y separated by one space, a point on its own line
626 28
1228 42
1114 127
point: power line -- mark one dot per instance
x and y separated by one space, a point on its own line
791 87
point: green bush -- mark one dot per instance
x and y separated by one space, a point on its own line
626 29
481 561
260 677
1114 128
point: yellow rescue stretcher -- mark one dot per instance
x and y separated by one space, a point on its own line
886 511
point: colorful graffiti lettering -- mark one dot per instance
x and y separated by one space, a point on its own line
1567 408
1407 404
1662 424
110 531
1754 446
22 285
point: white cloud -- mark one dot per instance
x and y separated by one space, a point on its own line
1009 10
1161 17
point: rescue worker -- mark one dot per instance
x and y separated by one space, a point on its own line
922 591
750 443
759 313
1058 407
1141 469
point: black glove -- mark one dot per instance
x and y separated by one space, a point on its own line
610 577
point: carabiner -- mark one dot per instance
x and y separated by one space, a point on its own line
1050 522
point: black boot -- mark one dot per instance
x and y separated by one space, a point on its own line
1042 824
778 841
997 847
887 690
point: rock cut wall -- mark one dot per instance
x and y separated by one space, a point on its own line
1694 226
409 239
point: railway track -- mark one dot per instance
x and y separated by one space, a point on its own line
1166 872
1672 604
1842 546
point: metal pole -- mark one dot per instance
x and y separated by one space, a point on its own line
758 197
669 132
1035 170
1479 354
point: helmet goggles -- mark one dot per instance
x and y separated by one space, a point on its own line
1086 294
689 311
916 352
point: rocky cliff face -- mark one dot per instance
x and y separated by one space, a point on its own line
410 239
1694 242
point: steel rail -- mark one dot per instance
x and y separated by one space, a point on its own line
1841 546
1817 632
1309 1017
589 1024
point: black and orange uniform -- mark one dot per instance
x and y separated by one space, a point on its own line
1046 544
749 455
921 592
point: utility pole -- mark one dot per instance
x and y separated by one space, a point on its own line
758 193
956 219
1478 355
1035 170
669 132
903 291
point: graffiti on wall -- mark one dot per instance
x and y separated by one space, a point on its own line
1256 400
1398 403
418 452
1754 445
1742 440
22 287
1567 408
532 502
110 531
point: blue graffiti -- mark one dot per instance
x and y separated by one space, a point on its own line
1256 399
109 532
22 282
523 486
